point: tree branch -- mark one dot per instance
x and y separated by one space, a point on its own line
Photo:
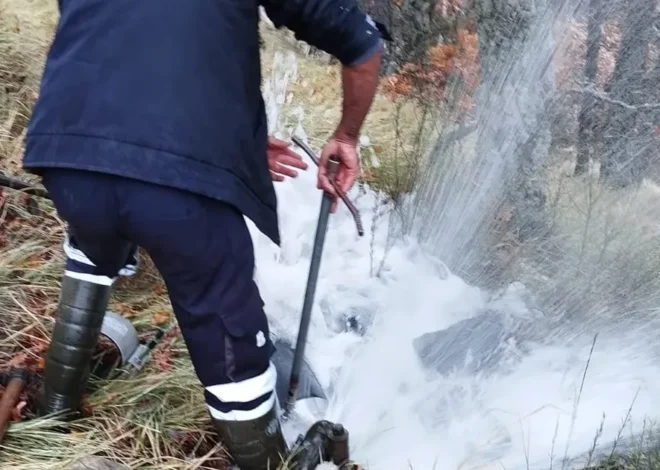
605 97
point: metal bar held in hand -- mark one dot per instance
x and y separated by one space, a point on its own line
351 207
314 266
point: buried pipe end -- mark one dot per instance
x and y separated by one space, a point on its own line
52 403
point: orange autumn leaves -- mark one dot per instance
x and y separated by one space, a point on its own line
31 357
429 81
159 317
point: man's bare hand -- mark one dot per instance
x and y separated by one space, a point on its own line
345 148
282 160
359 84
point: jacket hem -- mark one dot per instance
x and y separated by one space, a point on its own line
151 166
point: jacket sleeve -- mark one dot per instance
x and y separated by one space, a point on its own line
338 27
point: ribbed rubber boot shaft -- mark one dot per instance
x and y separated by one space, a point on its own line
78 324
256 444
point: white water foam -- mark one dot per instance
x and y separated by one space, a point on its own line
400 415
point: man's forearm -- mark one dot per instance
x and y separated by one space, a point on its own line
359 83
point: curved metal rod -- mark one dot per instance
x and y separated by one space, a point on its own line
353 210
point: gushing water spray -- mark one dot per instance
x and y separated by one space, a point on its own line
451 375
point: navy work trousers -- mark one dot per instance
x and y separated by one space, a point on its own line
203 250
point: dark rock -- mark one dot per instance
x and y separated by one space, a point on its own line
483 344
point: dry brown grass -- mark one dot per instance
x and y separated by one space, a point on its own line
27 28
25 31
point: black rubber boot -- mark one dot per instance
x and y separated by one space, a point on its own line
257 444
79 319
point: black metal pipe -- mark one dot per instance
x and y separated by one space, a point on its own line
315 264
78 324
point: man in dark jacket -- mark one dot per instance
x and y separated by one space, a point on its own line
150 131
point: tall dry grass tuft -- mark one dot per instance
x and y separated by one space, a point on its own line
26 28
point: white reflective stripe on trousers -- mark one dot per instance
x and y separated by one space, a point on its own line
246 390
244 415
243 392
76 254
93 278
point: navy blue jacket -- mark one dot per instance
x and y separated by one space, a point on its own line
168 91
